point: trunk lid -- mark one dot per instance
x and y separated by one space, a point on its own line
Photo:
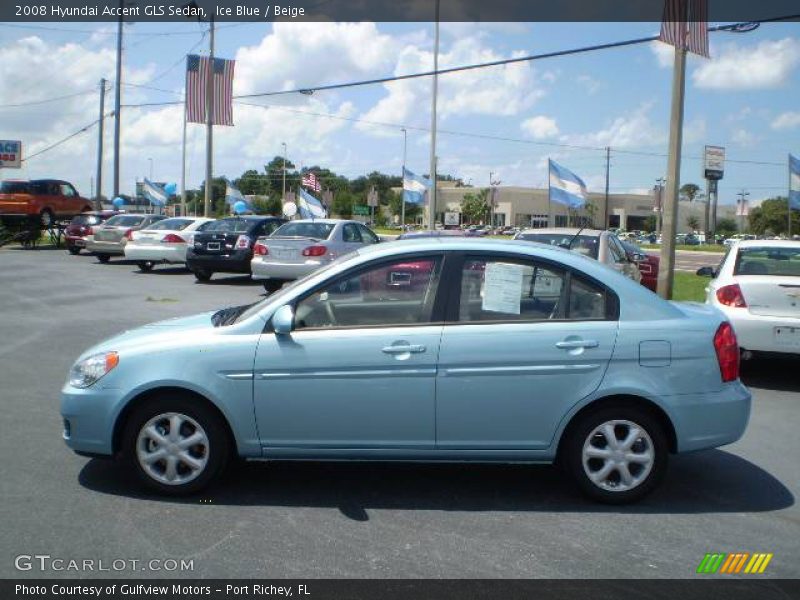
215 242
289 249
771 296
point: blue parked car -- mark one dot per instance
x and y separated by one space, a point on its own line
438 349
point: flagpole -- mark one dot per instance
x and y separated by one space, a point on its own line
789 200
402 184
209 120
183 163
432 204
549 202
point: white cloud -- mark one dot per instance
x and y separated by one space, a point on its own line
590 84
630 131
766 65
787 120
742 137
540 127
664 53
499 91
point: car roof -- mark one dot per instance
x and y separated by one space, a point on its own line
565 231
767 243
324 221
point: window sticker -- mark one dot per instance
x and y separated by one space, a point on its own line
502 290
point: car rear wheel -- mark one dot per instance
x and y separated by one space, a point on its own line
46 217
73 250
272 285
202 275
176 444
146 265
104 258
617 454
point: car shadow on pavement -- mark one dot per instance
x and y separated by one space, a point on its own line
713 481
776 372
222 279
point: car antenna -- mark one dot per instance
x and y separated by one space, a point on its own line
575 237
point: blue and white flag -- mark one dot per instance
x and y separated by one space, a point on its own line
415 188
309 207
154 193
794 182
565 187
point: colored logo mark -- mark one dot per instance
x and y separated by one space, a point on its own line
736 562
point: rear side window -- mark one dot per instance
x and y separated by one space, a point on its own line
15 187
350 233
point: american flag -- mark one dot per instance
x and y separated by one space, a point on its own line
685 25
196 78
310 181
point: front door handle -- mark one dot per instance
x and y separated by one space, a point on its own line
411 348
570 344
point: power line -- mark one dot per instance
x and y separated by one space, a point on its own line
63 140
47 100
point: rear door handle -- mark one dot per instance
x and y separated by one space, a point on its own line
411 348
567 345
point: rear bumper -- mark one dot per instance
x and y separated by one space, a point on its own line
99 247
76 241
757 332
710 420
238 262
267 269
175 254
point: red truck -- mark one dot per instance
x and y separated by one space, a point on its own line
46 200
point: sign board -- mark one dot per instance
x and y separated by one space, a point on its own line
10 154
713 163
452 218
361 210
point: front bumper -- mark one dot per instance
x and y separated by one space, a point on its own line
100 247
176 254
89 419
710 420
263 268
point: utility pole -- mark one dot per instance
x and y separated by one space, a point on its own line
707 221
101 119
608 170
283 196
402 184
666 272
118 101
742 208
660 202
209 120
432 203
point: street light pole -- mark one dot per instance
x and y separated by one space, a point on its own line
742 208
432 203
283 197
209 120
402 184
117 102
100 133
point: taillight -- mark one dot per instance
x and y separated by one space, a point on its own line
727 352
243 242
129 234
172 238
731 295
260 249
314 251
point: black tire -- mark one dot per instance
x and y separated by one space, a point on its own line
104 258
202 275
272 285
146 265
74 250
654 438
46 217
216 451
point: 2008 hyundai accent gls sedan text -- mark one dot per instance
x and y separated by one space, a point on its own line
432 350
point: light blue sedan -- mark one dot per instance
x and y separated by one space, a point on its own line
439 349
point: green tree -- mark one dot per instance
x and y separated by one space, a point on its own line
692 222
650 223
770 216
412 210
727 227
475 207
218 206
274 172
690 192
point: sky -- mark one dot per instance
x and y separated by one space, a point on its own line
505 120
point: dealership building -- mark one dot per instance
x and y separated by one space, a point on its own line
528 207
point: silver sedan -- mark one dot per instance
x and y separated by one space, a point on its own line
300 247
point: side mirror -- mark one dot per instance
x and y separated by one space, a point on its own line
283 320
706 272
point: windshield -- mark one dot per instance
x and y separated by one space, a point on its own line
583 244
319 231
229 225
171 224
14 187
124 221
768 260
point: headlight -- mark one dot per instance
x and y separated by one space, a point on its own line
90 370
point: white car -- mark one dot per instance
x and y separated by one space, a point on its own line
757 286
163 242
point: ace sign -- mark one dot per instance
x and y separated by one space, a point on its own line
10 154
714 163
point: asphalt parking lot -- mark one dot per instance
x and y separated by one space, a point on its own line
288 520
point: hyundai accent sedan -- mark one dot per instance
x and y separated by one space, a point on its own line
500 351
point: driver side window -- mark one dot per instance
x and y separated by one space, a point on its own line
396 293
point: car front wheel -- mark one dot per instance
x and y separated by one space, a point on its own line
146 265
616 455
176 445
202 275
104 258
